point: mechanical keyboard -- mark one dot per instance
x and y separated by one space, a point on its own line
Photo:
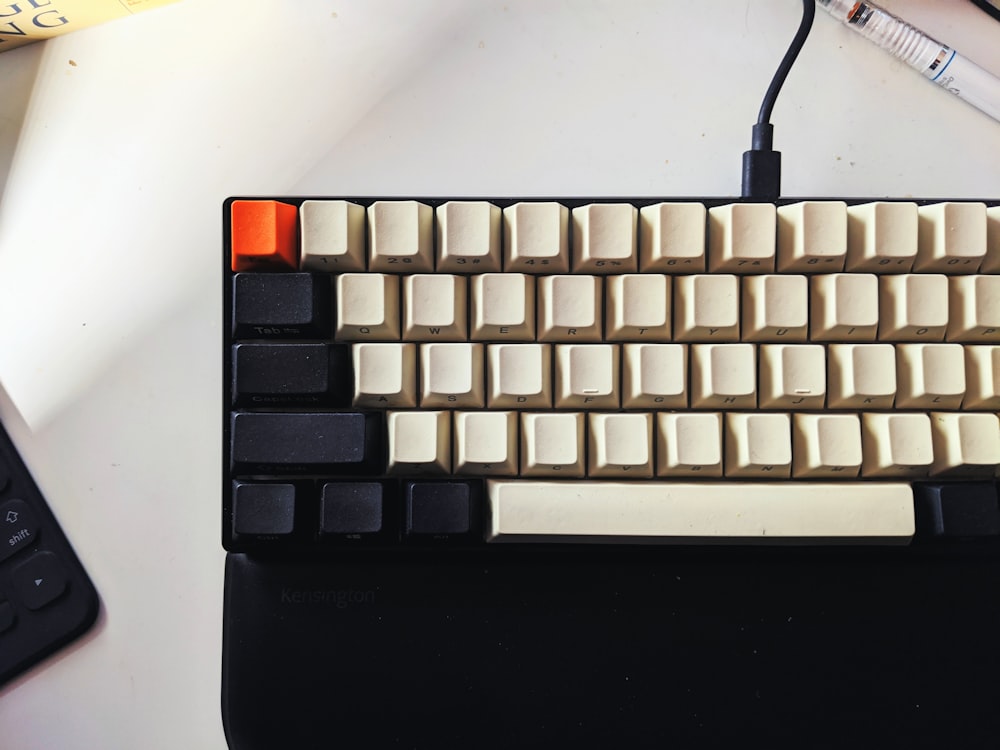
474 372
460 434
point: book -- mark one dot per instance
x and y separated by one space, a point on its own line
26 21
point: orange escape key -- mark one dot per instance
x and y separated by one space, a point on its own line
264 235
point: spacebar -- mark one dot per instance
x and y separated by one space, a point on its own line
700 513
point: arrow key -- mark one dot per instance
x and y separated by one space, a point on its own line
39 580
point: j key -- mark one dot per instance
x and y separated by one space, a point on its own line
304 441
291 373
281 305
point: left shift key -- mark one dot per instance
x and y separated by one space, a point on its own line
336 442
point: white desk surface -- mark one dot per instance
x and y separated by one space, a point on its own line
119 143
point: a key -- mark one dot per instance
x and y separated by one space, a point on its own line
896 445
400 237
672 238
755 512
519 376
552 444
812 237
570 308
792 376
468 237
861 376
741 238
654 376
486 443
758 445
638 307
536 238
845 307
263 236
881 237
965 445
451 376
434 308
367 307
775 308
419 442
913 307
586 376
930 376
385 375
281 305
707 308
982 378
723 376
604 238
952 238
826 445
502 307
974 309
302 441
620 445
333 236
689 444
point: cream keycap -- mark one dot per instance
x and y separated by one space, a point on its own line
982 378
367 306
689 444
952 238
974 309
812 237
552 444
845 307
792 376
930 376
881 237
775 308
826 445
621 445
570 308
741 238
332 236
913 307
896 445
385 375
654 376
638 307
586 376
502 307
485 443
604 238
519 375
861 376
451 376
419 442
723 376
965 445
468 237
400 237
707 307
536 238
676 512
758 445
434 307
672 238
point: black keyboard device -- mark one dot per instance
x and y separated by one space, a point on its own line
46 597
430 549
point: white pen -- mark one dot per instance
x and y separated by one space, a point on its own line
934 60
